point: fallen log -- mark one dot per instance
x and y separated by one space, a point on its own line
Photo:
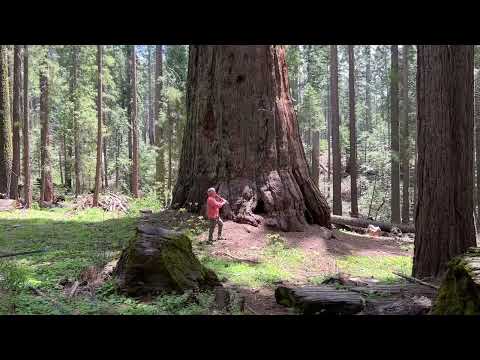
459 292
320 300
363 223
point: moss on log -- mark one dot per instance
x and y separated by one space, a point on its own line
161 261
459 293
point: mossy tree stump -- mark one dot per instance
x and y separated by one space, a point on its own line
161 261
459 293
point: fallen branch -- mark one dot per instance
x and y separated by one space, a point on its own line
415 280
22 253
237 258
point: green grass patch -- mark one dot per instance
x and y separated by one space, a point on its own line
378 267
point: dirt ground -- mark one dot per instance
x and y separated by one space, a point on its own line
248 242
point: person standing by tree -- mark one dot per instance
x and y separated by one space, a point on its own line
214 203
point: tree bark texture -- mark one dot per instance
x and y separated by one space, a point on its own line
160 160
5 124
353 132
134 121
445 126
242 138
27 185
17 120
98 168
405 149
76 129
394 138
46 194
336 151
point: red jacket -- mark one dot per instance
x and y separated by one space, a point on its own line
213 207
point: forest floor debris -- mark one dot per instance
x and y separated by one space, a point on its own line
106 201
249 263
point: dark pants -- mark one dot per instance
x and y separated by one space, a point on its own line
212 223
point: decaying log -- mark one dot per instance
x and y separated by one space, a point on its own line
320 300
361 222
459 293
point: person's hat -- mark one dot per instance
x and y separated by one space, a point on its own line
211 190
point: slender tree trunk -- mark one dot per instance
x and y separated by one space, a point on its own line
329 136
134 121
117 165
353 133
76 129
336 151
60 163
160 160
405 149
368 110
242 138
105 163
316 157
444 218
17 120
170 141
46 193
5 124
98 168
27 185
129 110
67 161
394 136
477 138
151 121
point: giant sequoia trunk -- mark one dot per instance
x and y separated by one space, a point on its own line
242 138
405 149
444 216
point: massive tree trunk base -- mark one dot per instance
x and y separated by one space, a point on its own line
459 293
161 261
282 199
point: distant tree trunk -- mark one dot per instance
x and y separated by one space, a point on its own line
368 110
337 159
60 163
242 138
477 139
444 217
46 192
105 163
316 157
27 185
5 124
117 154
405 149
160 160
98 168
134 121
151 121
67 161
394 136
353 133
76 130
129 105
17 120
170 141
